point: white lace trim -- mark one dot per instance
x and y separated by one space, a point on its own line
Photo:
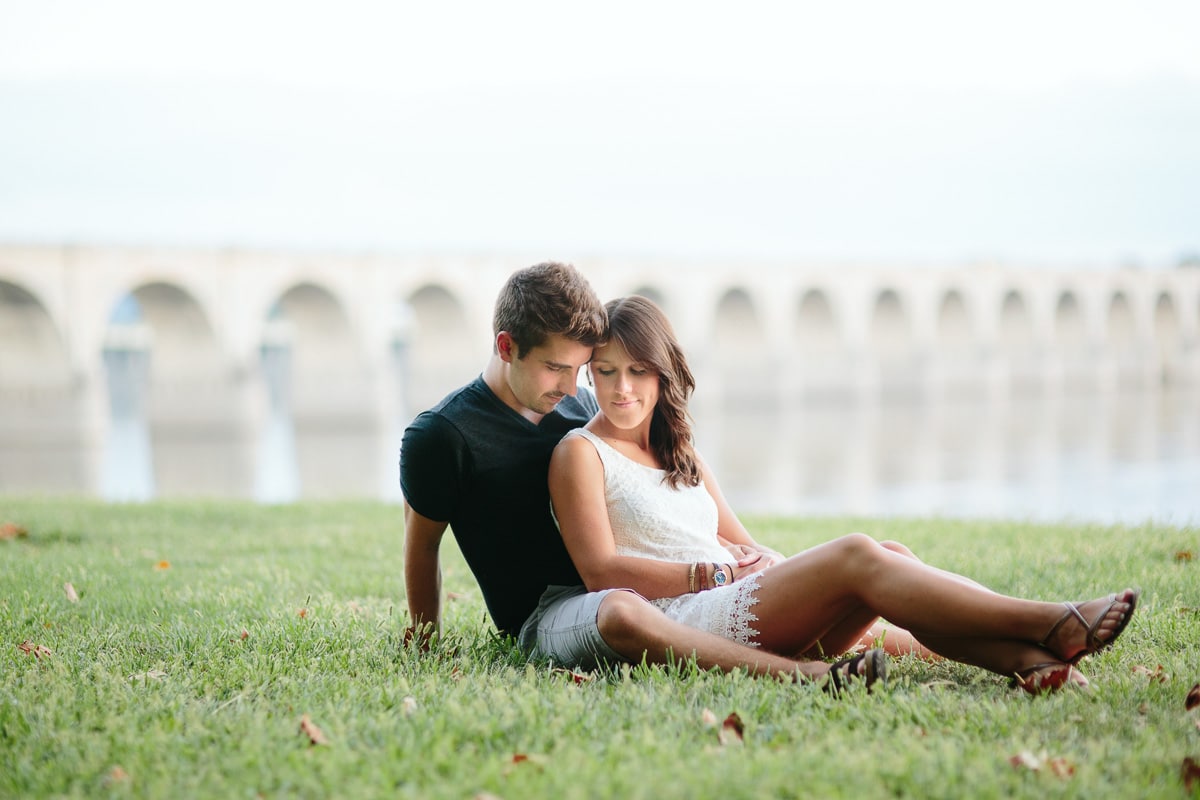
725 612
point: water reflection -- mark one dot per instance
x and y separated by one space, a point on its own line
1110 457
128 467
277 478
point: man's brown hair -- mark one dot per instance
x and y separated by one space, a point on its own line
549 299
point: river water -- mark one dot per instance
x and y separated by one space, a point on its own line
1126 457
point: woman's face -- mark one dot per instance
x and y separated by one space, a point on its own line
626 390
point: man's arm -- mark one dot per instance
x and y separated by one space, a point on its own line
422 575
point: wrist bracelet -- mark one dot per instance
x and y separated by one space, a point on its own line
692 578
702 576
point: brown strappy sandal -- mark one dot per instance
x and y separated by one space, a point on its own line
874 669
1092 642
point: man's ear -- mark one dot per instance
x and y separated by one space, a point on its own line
506 347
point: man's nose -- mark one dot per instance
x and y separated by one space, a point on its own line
570 384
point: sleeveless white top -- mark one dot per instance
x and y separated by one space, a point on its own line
649 519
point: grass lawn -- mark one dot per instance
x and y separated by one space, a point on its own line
203 633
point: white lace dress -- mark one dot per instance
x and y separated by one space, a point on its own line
652 520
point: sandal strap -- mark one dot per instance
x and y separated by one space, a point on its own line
1071 611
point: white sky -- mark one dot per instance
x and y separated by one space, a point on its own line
1062 132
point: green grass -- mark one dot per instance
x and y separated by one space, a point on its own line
149 673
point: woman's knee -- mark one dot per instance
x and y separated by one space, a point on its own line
897 547
623 616
859 550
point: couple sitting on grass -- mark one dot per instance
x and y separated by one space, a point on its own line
598 535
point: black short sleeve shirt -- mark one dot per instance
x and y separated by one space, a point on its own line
476 463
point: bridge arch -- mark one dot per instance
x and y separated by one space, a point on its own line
39 397
954 331
31 344
816 331
440 345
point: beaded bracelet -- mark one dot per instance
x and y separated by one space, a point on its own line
692 579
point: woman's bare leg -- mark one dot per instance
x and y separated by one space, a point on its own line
801 599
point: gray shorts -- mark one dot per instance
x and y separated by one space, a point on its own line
563 629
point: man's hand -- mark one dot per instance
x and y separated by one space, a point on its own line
419 636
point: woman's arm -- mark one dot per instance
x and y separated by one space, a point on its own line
577 496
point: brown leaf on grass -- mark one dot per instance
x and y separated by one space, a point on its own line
1193 698
455 595
1059 766
11 530
1190 774
116 775
1184 555
1027 760
524 761
36 650
310 730
578 677
72 595
164 564
1158 674
302 613
732 730
243 636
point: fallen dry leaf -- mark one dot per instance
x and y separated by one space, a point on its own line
578 677
519 757
1027 760
72 595
311 731
164 564
116 775
302 613
1193 698
1184 555
1190 773
11 530
36 650
732 730
1157 674
708 718
1058 765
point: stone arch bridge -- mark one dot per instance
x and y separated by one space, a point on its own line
371 339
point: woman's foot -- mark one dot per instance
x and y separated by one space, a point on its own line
1073 636
1048 676
869 667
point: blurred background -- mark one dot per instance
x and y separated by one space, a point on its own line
929 258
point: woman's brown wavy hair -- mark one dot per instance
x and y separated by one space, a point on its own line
646 335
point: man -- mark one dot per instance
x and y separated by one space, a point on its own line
478 462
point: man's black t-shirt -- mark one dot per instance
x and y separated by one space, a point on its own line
476 463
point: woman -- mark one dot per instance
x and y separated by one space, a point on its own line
639 509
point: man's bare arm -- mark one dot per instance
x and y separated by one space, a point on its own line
422 575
